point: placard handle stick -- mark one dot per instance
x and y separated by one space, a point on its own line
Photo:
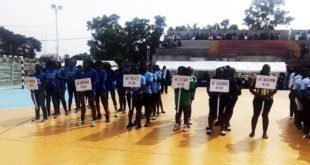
179 98
218 105
34 100
263 106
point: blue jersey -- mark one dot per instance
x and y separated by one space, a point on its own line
71 74
101 78
297 82
158 73
143 83
61 82
51 77
110 83
91 73
148 79
41 79
119 77
305 86
154 83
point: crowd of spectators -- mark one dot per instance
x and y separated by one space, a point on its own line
232 35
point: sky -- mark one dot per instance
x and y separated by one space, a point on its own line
35 18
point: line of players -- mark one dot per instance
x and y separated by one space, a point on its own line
299 85
54 80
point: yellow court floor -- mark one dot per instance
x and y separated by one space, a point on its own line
59 141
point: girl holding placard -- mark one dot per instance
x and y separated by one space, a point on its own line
88 72
263 100
38 96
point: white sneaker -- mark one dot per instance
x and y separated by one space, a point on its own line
223 133
154 117
176 127
209 130
185 128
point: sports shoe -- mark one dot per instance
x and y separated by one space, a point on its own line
129 125
209 130
93 123
185 128
154 118
79 123
115 114
147 124
176 127
307 136
107 118
223 133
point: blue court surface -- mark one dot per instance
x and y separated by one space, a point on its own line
15 98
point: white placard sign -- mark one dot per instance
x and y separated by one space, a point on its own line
266 82
83 84
31 83
180 81
131 80
217 85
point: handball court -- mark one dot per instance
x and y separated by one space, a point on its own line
59 141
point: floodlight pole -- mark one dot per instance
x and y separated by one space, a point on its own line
56 8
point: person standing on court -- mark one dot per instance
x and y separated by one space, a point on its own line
193 92
234 91
263 100
165 80
110 84
121 90
214 107
71 72
38 96
88 72
147 93
101 92
305 87
51 74
61 80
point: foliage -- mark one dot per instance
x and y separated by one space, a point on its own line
266 15
17 44
109 38
111 41
82 56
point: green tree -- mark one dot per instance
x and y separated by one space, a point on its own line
109 38
266 15
233 27
143 36
82 56
17 44
225 23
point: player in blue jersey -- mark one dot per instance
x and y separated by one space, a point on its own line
110 84
137 101
154 95
158 87
61 80
101 91
147 93
71 72
51 89
121 91
88 72
38 96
